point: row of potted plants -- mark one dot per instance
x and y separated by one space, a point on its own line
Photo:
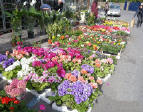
73 66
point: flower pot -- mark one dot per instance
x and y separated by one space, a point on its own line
40 92
30 34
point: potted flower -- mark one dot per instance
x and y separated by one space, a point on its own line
16 26
16 88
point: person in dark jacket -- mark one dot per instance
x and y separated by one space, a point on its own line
60 5
139 14
106 8
94 8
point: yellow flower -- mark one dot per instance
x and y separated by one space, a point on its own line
53 37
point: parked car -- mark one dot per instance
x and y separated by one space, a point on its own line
114 10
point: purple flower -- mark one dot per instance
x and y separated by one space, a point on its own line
3 58
79 90
75 73
8 62
88 68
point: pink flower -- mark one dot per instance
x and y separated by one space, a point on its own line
21 84
42 107
61 72
16 92
75 40
8 89
91 78
110 60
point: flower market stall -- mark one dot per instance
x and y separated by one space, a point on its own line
70 71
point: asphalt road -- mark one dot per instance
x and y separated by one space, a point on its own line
124 90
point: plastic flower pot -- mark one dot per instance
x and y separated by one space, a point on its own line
30 34
40 92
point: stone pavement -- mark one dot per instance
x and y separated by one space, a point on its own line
124 90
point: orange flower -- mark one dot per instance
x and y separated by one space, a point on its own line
99 81
49 41
95 47
79 38
72 78
94 85
67 76
83 71
62 37
97 63
80 78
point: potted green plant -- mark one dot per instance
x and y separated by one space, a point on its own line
16 26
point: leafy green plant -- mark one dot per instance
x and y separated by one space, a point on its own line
37 86
11 74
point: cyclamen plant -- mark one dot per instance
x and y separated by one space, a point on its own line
16 88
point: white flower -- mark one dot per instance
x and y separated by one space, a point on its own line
117 57
82 45
122 43
33 2
13 66
24 3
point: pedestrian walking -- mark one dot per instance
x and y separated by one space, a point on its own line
106 8
94 9
139 14
60 5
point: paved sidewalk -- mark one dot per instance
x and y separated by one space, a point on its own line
124 90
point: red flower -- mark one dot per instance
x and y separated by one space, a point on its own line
5 100
11 108
16 102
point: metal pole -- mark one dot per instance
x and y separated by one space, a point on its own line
3 15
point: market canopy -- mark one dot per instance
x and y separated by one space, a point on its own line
45 6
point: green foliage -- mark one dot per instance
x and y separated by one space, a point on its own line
11 74
111 49
58 27
1 69
39 86
90 19
120 33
